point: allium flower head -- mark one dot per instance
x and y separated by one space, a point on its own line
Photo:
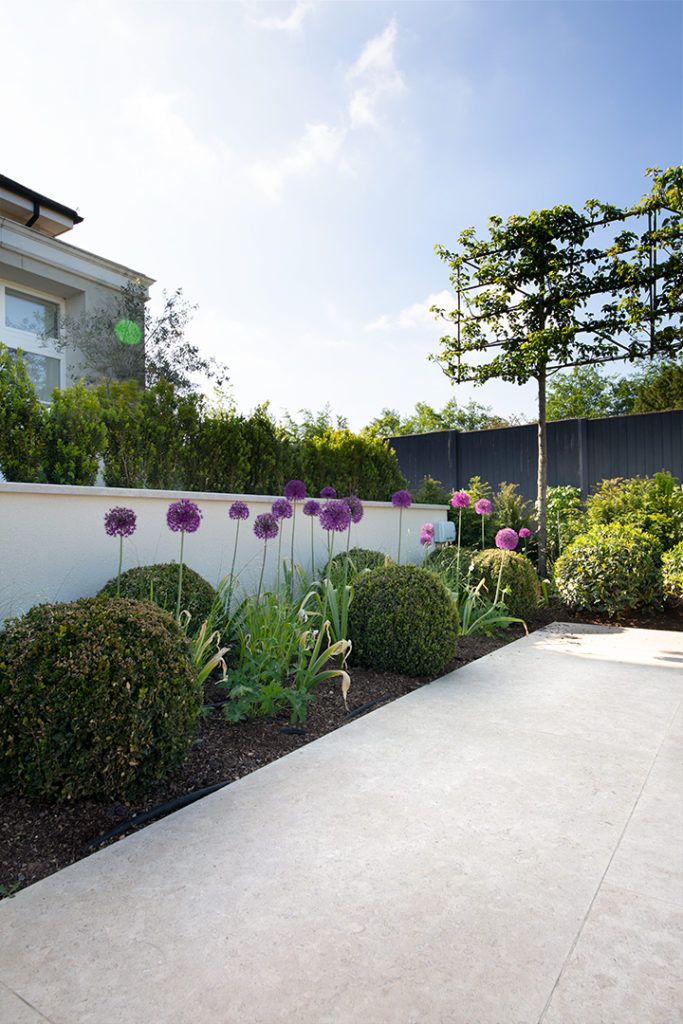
239 510
460 499
312 507
525 532
295 490
184 515
402 499
483 507
281 509
328 492
265 526
355 507
507 539
120 522
335 515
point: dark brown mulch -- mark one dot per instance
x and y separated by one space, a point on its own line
37 839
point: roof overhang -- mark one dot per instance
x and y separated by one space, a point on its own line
34 210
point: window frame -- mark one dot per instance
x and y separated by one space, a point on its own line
29 341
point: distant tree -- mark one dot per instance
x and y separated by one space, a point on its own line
540 294
660 387
581 392
426 418
164 354
313 424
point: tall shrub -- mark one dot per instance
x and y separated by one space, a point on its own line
653 504
74 436
124 457
356 463
22 421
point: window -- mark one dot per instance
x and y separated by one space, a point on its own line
30 322
29 313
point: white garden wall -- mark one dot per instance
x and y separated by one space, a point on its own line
53 546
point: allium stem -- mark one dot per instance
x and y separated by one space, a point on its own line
291 560
263 566
482 532
180 574
232 567
500 574
279 552
400 520
459 533
312 551
328 570
118 578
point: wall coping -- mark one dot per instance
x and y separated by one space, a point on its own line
8 487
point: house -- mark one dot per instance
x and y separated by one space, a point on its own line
45 281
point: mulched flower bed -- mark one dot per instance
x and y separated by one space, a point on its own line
37 838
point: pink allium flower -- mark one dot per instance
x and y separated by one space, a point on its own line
524 532
426 533
483 507
460 499
507 539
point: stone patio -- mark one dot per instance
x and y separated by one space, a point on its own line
504 846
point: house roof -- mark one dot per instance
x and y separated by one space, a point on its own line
34 210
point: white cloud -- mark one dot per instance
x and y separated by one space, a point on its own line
292 22
415 316
320 145
376 76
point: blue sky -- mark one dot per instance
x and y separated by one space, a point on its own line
291 165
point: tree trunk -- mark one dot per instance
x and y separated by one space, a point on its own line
542 485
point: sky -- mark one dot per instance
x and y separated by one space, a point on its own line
291 165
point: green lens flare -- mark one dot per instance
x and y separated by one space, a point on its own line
128 332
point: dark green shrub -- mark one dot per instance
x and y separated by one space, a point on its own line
353 463
431 492
611 568
74 436
159 583
518 579
97 699
511 510
359 560
653 504
444 562
402 619
22 421
672 573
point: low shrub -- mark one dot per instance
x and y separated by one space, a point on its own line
611 568
672 573
653 504
97 699
402 619
360 559
159 583
518 582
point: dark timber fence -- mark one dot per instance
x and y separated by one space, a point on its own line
580 452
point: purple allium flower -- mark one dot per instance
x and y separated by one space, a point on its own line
281 509
265 526
120 522
184 515
335 515
295 490
460 499
483 507
507 539
328 492
239 510
525 532
355 507
312 507
402 499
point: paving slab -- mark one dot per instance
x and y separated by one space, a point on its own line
451 858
